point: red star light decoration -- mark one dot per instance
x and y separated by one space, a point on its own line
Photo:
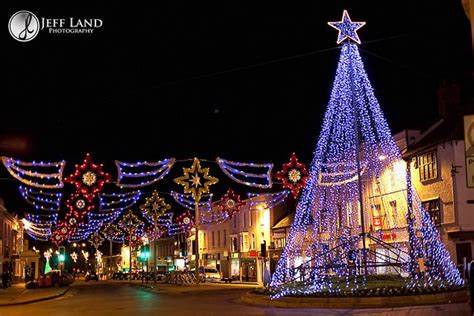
293 175
62 232
185 220
89 178
230 203
78 206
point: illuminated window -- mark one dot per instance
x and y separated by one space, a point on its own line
433 208
428 166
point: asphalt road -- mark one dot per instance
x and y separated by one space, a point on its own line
104 298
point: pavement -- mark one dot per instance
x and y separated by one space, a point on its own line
17 294
117 298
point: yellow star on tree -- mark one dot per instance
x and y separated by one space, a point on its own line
191 180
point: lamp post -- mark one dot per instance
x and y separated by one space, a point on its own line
154 207
191 182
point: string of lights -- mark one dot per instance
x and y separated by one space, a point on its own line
43 175
260 175
40 199
129 175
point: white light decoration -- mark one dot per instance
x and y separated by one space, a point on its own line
43 175
257 175
37 228
74 256
187 201
41 200
130 176
118 202
269 199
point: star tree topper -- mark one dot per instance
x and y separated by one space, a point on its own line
192 180
293 175
347 29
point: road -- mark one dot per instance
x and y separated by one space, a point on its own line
108 298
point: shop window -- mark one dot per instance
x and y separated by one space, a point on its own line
376 217
428 166
433 208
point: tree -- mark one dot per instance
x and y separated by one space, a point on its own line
358 214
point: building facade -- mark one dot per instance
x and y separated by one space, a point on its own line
237 247
437 164
11 244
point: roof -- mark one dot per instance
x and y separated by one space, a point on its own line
286 221
440 132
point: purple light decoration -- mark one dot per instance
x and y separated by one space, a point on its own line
359 196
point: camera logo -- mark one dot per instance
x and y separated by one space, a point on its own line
23 26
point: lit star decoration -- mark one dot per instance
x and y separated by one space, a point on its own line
192 180
74 256
230 203
347 29
113 233
155 206
62 232
132 226
293 175
182 224
96 240
79 206
89 179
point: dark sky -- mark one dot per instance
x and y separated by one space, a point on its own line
137 89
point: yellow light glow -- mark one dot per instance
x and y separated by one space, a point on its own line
26 223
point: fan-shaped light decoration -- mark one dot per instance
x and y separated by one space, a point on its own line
140 174
293 175
196 180
118 201
39 230
187 201
257 175
89 179
43 175
230 203
270 200
96 240
41 200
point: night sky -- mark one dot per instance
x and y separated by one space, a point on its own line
247 82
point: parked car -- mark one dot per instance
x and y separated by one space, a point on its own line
212 274
91 275
54 278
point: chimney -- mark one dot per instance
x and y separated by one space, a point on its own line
448 99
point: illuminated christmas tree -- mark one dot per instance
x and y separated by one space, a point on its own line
358 215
